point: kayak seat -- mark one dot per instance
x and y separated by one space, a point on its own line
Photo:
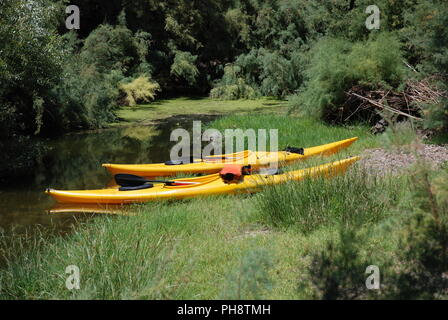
179 161
295 150
143 186
174 162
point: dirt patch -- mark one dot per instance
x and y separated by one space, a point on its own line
382 161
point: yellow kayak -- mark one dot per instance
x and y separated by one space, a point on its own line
214 164
199 186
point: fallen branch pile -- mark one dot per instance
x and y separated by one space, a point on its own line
367 103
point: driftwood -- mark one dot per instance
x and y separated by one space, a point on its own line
385 107
364 102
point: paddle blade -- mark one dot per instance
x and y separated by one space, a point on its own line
129 180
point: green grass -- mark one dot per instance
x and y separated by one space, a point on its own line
202 106
300 132
245 246
310 204
187 250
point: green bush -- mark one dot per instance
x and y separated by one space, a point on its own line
85 98
336 65
117 48
423 249
184 67
338 271
232 86
140 90
426 35
89 91
268 73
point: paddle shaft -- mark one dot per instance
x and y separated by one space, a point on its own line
133 180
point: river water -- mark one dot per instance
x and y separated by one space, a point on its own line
74 162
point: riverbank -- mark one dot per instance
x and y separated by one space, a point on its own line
246 247
160 109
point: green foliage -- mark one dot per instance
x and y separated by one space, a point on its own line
338 271
399 134
310 204
427 36
437 113
232 86
268 72
84 98
250 279
110 268
140 90
184 66
273 25
423 251
337 65
31 58
89 91
117 48
310 51
273 34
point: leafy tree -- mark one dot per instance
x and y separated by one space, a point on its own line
117 48
184 66
31 58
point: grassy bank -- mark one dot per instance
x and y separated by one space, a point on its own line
247 246
163 108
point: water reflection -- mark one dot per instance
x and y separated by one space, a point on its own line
59 208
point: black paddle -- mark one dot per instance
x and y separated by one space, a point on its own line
130 180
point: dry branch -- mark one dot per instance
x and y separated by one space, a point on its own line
362 100
385 107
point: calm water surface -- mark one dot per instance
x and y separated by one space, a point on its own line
74 162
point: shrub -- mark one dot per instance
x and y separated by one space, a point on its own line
117 48
423 252
338 271
140 89
398 134
85 98
337 65
88 93
268 73
184 66
250 279
232 86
